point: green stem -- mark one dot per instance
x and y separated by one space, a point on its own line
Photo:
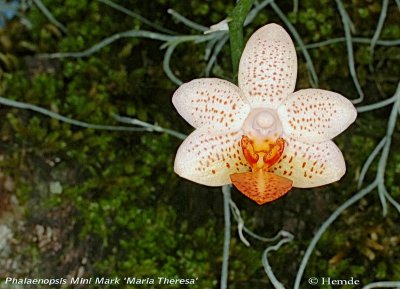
238 17
226 190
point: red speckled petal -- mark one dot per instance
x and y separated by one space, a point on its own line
310 165
209 158
261 187
211 102
268 67
316 115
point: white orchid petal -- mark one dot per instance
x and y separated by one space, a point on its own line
316 115
310 165
268 67
211 102
210 159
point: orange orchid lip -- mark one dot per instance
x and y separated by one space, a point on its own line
260 185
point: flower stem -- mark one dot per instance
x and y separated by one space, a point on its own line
238 16
226 190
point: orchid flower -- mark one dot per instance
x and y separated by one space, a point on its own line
261 136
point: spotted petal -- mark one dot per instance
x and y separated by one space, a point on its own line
268 67
316 115
310 165
211 102
209 159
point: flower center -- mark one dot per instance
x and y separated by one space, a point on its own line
261 143
262 147
262 125
262 158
